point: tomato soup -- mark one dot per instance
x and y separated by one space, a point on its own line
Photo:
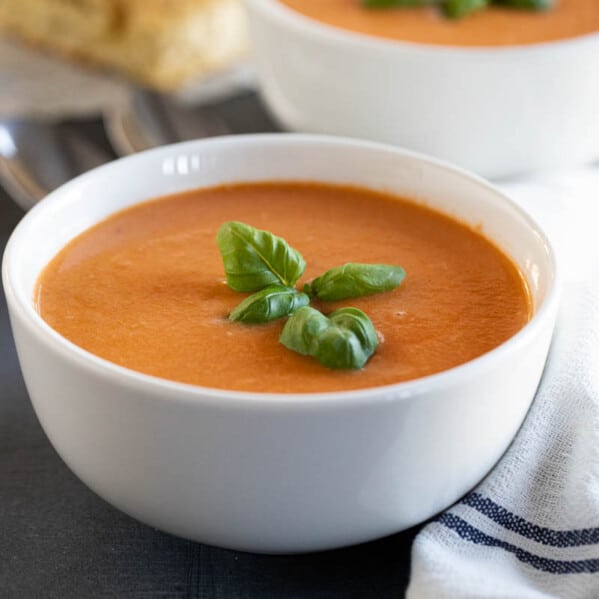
146 288
493 26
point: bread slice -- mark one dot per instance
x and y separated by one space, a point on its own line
163 43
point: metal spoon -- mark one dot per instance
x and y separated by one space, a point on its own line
37 157
150 120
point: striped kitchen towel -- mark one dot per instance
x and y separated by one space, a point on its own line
531 528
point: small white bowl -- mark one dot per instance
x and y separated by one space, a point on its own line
498 111
268 472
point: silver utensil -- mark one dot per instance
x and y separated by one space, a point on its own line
150 120
37 157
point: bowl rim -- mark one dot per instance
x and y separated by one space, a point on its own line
301 23
169 390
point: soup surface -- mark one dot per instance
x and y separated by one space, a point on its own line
494 26
146 288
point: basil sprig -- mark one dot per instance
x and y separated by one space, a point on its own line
527 4
270 303
261 262
392 3
346 339
254 259
456 9
355 280
302 329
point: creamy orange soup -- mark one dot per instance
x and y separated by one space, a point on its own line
493 26
146 288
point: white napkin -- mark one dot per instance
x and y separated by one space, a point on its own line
531 528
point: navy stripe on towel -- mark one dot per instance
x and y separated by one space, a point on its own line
545 536
553 566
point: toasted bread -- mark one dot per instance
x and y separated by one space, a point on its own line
163 43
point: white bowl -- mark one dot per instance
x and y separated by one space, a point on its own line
268 472
497 111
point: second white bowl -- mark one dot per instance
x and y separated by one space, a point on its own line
496 111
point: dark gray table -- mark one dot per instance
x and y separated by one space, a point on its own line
58 540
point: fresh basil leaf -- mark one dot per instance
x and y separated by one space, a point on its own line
345 340
355 280
527 4
275 301
302 330
254 259
359 324
349 342
340 349
396 3
456 9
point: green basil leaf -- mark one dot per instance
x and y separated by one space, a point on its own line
359 324
527 4
275 301
340 349
356 280
456 9
302 330
345 340
395 3
349 342
254 259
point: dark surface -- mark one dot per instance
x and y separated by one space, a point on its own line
59 540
